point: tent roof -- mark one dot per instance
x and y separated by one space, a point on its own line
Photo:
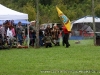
89 29
87 19
9 14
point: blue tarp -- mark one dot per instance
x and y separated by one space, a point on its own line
76 38
24 22
1 22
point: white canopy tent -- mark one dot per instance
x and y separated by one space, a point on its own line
9 14
87 19
85 24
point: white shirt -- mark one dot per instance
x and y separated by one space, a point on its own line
9 33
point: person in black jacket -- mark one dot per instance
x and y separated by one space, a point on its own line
32 33
48 30
66 36
41 37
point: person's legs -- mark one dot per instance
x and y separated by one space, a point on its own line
30 36
1 39
58 42
46 45
10 42
33 41
20 39
50 45
30 42
40 41
67 38
1 42
64 40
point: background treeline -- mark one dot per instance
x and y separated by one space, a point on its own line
74 9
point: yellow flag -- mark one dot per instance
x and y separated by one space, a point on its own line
59 11
64 18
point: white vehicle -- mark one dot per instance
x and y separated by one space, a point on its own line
51 25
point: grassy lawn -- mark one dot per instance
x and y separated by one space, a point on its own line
78 59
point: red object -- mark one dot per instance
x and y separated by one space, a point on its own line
22 47
65 30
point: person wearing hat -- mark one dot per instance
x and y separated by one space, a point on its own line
32 33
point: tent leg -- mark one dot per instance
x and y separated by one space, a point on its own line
28 35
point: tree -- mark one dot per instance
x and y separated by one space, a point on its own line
30 11
72 8
97 10
45 2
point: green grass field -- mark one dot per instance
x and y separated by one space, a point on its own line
78 59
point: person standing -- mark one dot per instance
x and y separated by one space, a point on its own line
2 33
41 37
32 33
66 36
62 33
19 30
55 35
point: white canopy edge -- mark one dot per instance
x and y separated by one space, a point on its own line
87 19
9 14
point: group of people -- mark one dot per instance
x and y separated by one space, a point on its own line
53 35
15 35
46 36
9 33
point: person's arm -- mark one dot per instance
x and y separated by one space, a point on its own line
13 31
22 28
45 31
44 39
58 31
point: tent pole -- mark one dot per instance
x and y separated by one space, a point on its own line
28 35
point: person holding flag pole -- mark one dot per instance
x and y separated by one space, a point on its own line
66 26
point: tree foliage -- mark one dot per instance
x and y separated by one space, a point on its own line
30 10
73 9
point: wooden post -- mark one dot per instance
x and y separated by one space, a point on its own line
37 26
93 13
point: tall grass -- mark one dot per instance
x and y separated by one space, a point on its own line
78 59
